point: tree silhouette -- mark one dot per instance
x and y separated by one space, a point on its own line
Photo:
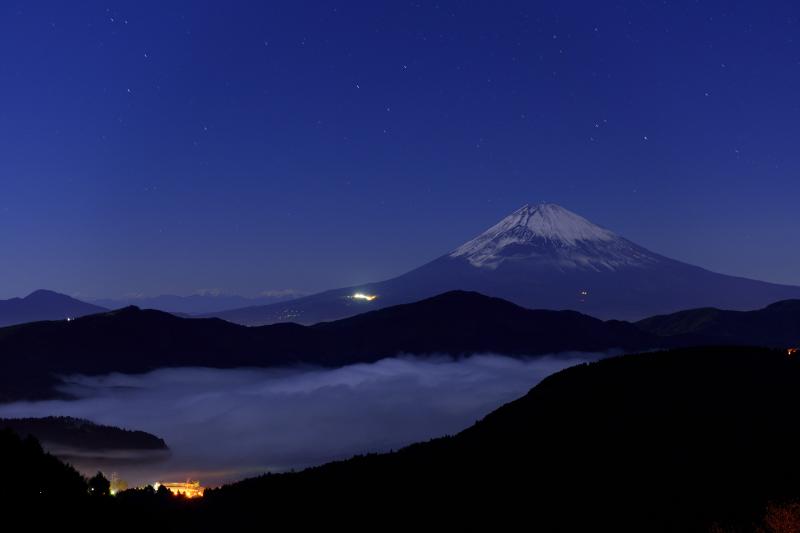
99 486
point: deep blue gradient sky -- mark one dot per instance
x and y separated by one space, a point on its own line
167 147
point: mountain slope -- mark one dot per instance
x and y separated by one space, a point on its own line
132 340
668 441
544 257
43 305
777 324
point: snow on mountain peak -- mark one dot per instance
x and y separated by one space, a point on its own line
549 230
553 222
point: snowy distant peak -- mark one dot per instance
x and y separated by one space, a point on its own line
553 222
548 232
544 221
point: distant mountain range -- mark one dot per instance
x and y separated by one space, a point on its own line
540 256
544 257
209 302
50 305
455 323
44 305
668 441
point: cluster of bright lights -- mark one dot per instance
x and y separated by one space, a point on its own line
362 296
189 489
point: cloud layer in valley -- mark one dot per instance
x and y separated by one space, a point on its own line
223 425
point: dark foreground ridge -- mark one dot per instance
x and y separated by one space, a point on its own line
682 440
664 441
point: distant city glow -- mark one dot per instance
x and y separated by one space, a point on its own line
362 296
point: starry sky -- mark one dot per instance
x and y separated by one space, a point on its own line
170 147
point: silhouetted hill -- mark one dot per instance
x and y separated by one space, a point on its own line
776 325
32 476
133 340
667 441
461 322
82 434
39 491
44 305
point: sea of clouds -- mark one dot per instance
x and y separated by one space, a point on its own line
223 425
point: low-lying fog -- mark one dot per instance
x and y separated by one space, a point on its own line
223 425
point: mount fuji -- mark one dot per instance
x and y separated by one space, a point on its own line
545 257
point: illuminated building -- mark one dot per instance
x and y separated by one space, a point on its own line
189 489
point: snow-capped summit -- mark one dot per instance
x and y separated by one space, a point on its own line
548 232
546 221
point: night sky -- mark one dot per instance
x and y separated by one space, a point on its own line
170 147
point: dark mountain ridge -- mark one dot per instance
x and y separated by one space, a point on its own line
133 340
457 323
